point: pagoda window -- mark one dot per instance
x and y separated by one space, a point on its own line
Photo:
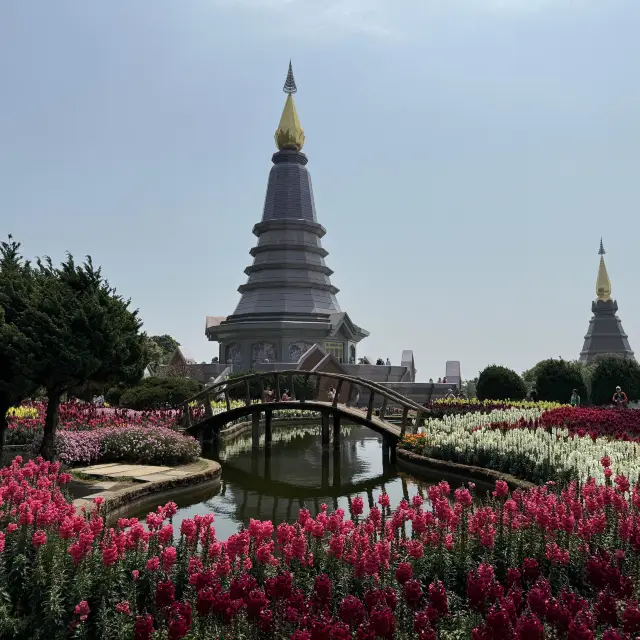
336 349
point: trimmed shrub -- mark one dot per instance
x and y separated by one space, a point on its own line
556 380
159 393
500 383
612 372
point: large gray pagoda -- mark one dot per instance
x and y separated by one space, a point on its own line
288 303
605 336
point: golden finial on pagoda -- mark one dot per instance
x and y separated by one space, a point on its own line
289 134
603 284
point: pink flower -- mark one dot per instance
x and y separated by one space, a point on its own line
82 610
153 564
383 500
39 538
123 607
168 558
357 506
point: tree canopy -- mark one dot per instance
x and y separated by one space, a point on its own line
500 383
16 282
61 328
611 372
555 380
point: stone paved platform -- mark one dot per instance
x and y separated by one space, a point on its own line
118 483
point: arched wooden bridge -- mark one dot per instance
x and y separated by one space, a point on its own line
201 421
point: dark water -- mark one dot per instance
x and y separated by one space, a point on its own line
275 482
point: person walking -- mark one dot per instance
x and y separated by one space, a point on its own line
620 399
575 399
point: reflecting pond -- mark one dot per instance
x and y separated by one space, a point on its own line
296 471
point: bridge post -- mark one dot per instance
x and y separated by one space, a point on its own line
418 420
336 430
370 498
392 452
405 419
267 463
370 405
383 409
247 393
338 389
255 429
186 415
325 428
337 459
325 467
268 435
385 453
208 411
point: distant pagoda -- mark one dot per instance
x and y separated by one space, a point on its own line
288 303
605 336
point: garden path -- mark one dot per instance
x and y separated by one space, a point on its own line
108 481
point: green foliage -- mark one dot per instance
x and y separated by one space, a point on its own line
159 393
611 372
166 345
113 394
556 379
79 331
16 295
500 383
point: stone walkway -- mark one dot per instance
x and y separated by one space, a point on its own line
115 479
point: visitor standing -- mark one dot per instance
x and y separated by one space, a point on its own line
388 362
620 399
285 396
450 395
266 395
533 395
575 399
332 394
439 380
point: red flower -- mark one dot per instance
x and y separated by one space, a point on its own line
412 592
404 572
352 611
322 588
529 627
38 539
165 594
143 627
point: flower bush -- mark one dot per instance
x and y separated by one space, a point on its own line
533 444
523 565
26 423
137 445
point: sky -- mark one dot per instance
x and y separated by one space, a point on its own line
466 156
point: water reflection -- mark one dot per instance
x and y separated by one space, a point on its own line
296 471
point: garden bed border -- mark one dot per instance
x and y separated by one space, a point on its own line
416 464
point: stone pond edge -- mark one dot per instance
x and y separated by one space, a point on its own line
127 498
415 464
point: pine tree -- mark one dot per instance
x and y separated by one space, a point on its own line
16 291
80 331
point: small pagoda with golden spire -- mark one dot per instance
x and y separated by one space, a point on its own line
605 336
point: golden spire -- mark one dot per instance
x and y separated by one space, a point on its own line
289 134
603 284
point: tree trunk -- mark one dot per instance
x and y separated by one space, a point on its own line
47 449
4 425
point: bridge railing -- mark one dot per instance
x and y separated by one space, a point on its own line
198 408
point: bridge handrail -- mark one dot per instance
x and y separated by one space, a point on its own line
227 385
373 387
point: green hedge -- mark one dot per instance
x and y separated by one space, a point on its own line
500 383
159 393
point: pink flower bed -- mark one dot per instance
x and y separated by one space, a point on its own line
525 565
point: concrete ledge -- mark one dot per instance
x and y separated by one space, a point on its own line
135 496
417 465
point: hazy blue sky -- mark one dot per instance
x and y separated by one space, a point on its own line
466 157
